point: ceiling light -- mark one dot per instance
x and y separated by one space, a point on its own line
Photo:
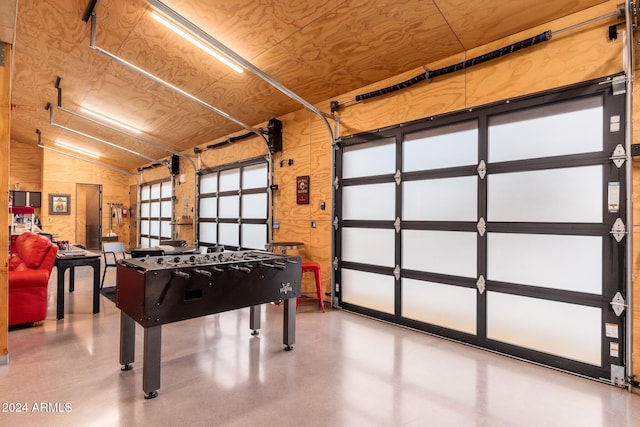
77 149
110 120
187 35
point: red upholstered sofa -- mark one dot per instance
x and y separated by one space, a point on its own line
29 271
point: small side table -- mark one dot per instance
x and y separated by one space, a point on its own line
70 261
283 246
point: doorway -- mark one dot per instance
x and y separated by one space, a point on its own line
89 215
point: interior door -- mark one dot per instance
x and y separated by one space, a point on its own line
89 222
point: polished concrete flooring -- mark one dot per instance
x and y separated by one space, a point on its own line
345 370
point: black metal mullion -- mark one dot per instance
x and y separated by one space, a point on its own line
559 228
337 226
550 163
240 201
614 278
399 197
481 297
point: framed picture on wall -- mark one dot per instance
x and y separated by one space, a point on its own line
59 204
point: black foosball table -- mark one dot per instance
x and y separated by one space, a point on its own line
154 291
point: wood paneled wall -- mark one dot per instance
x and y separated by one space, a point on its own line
5 120
61 174
26 166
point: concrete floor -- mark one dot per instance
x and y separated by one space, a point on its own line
345 370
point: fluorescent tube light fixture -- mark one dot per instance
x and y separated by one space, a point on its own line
195 40
110 120
77 149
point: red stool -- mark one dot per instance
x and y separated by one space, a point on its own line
313 267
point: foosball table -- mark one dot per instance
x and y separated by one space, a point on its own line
154 291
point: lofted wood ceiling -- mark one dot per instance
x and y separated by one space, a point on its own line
317 49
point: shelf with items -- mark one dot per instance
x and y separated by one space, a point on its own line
22 219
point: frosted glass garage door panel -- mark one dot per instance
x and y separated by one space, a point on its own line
567 330
553 195
443 252
370 290
155 191
369 246
166 209
166 190
155 210
448 306
209 183
369 159
209 207
553 130
254 206
450 199
255 176
369 202
230 207
443 147
165 229
145 209
154 228
572 263
144 242
229 234
208 232
229 180
144 227
254 236
145 192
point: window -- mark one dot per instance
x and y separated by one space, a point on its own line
156 211
234 205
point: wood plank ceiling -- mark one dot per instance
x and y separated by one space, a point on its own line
317 49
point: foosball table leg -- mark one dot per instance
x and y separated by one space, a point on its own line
151 361
127 341
289 324
254 319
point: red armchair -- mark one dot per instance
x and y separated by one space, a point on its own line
29 271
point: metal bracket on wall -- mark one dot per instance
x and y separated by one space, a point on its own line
335 223
335 263
336 183
398 177
396 272
618 376
619 85
396 225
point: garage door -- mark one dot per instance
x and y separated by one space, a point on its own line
501 227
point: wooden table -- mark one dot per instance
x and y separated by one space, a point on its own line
71 260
